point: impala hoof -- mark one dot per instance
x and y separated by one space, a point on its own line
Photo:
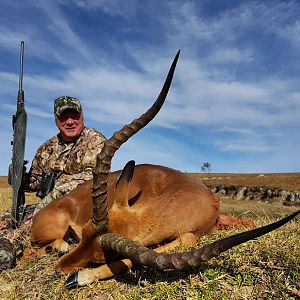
72 281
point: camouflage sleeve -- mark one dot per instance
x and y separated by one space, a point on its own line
70 179
66 183
73 168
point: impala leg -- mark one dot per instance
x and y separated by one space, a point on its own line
186 240
228 222
60 245
87 276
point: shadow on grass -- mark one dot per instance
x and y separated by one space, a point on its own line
137 275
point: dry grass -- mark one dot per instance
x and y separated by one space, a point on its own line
6 195
267 268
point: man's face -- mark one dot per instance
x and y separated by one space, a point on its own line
70 124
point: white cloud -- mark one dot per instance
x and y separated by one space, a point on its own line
10 39
111 7
245 148
59 25
291 33
110 94
254 112
230 55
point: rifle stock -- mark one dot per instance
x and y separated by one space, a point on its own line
19 123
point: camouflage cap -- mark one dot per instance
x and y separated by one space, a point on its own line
64 102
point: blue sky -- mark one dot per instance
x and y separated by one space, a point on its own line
235 98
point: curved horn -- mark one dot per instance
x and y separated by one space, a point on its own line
103 163
147 257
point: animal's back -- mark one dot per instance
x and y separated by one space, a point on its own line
165 203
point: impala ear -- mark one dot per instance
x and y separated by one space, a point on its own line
123 183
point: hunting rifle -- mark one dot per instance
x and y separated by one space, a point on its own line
17 169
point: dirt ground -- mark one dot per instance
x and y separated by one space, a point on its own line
283 181
3 181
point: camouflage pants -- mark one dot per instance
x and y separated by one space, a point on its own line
13 240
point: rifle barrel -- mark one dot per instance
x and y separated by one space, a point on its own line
21 66
19 137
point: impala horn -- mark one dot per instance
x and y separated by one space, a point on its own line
103 162
146 257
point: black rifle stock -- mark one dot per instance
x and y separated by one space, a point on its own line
19 123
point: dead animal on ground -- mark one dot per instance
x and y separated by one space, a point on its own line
116 215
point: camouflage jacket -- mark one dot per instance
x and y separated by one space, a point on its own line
71 162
